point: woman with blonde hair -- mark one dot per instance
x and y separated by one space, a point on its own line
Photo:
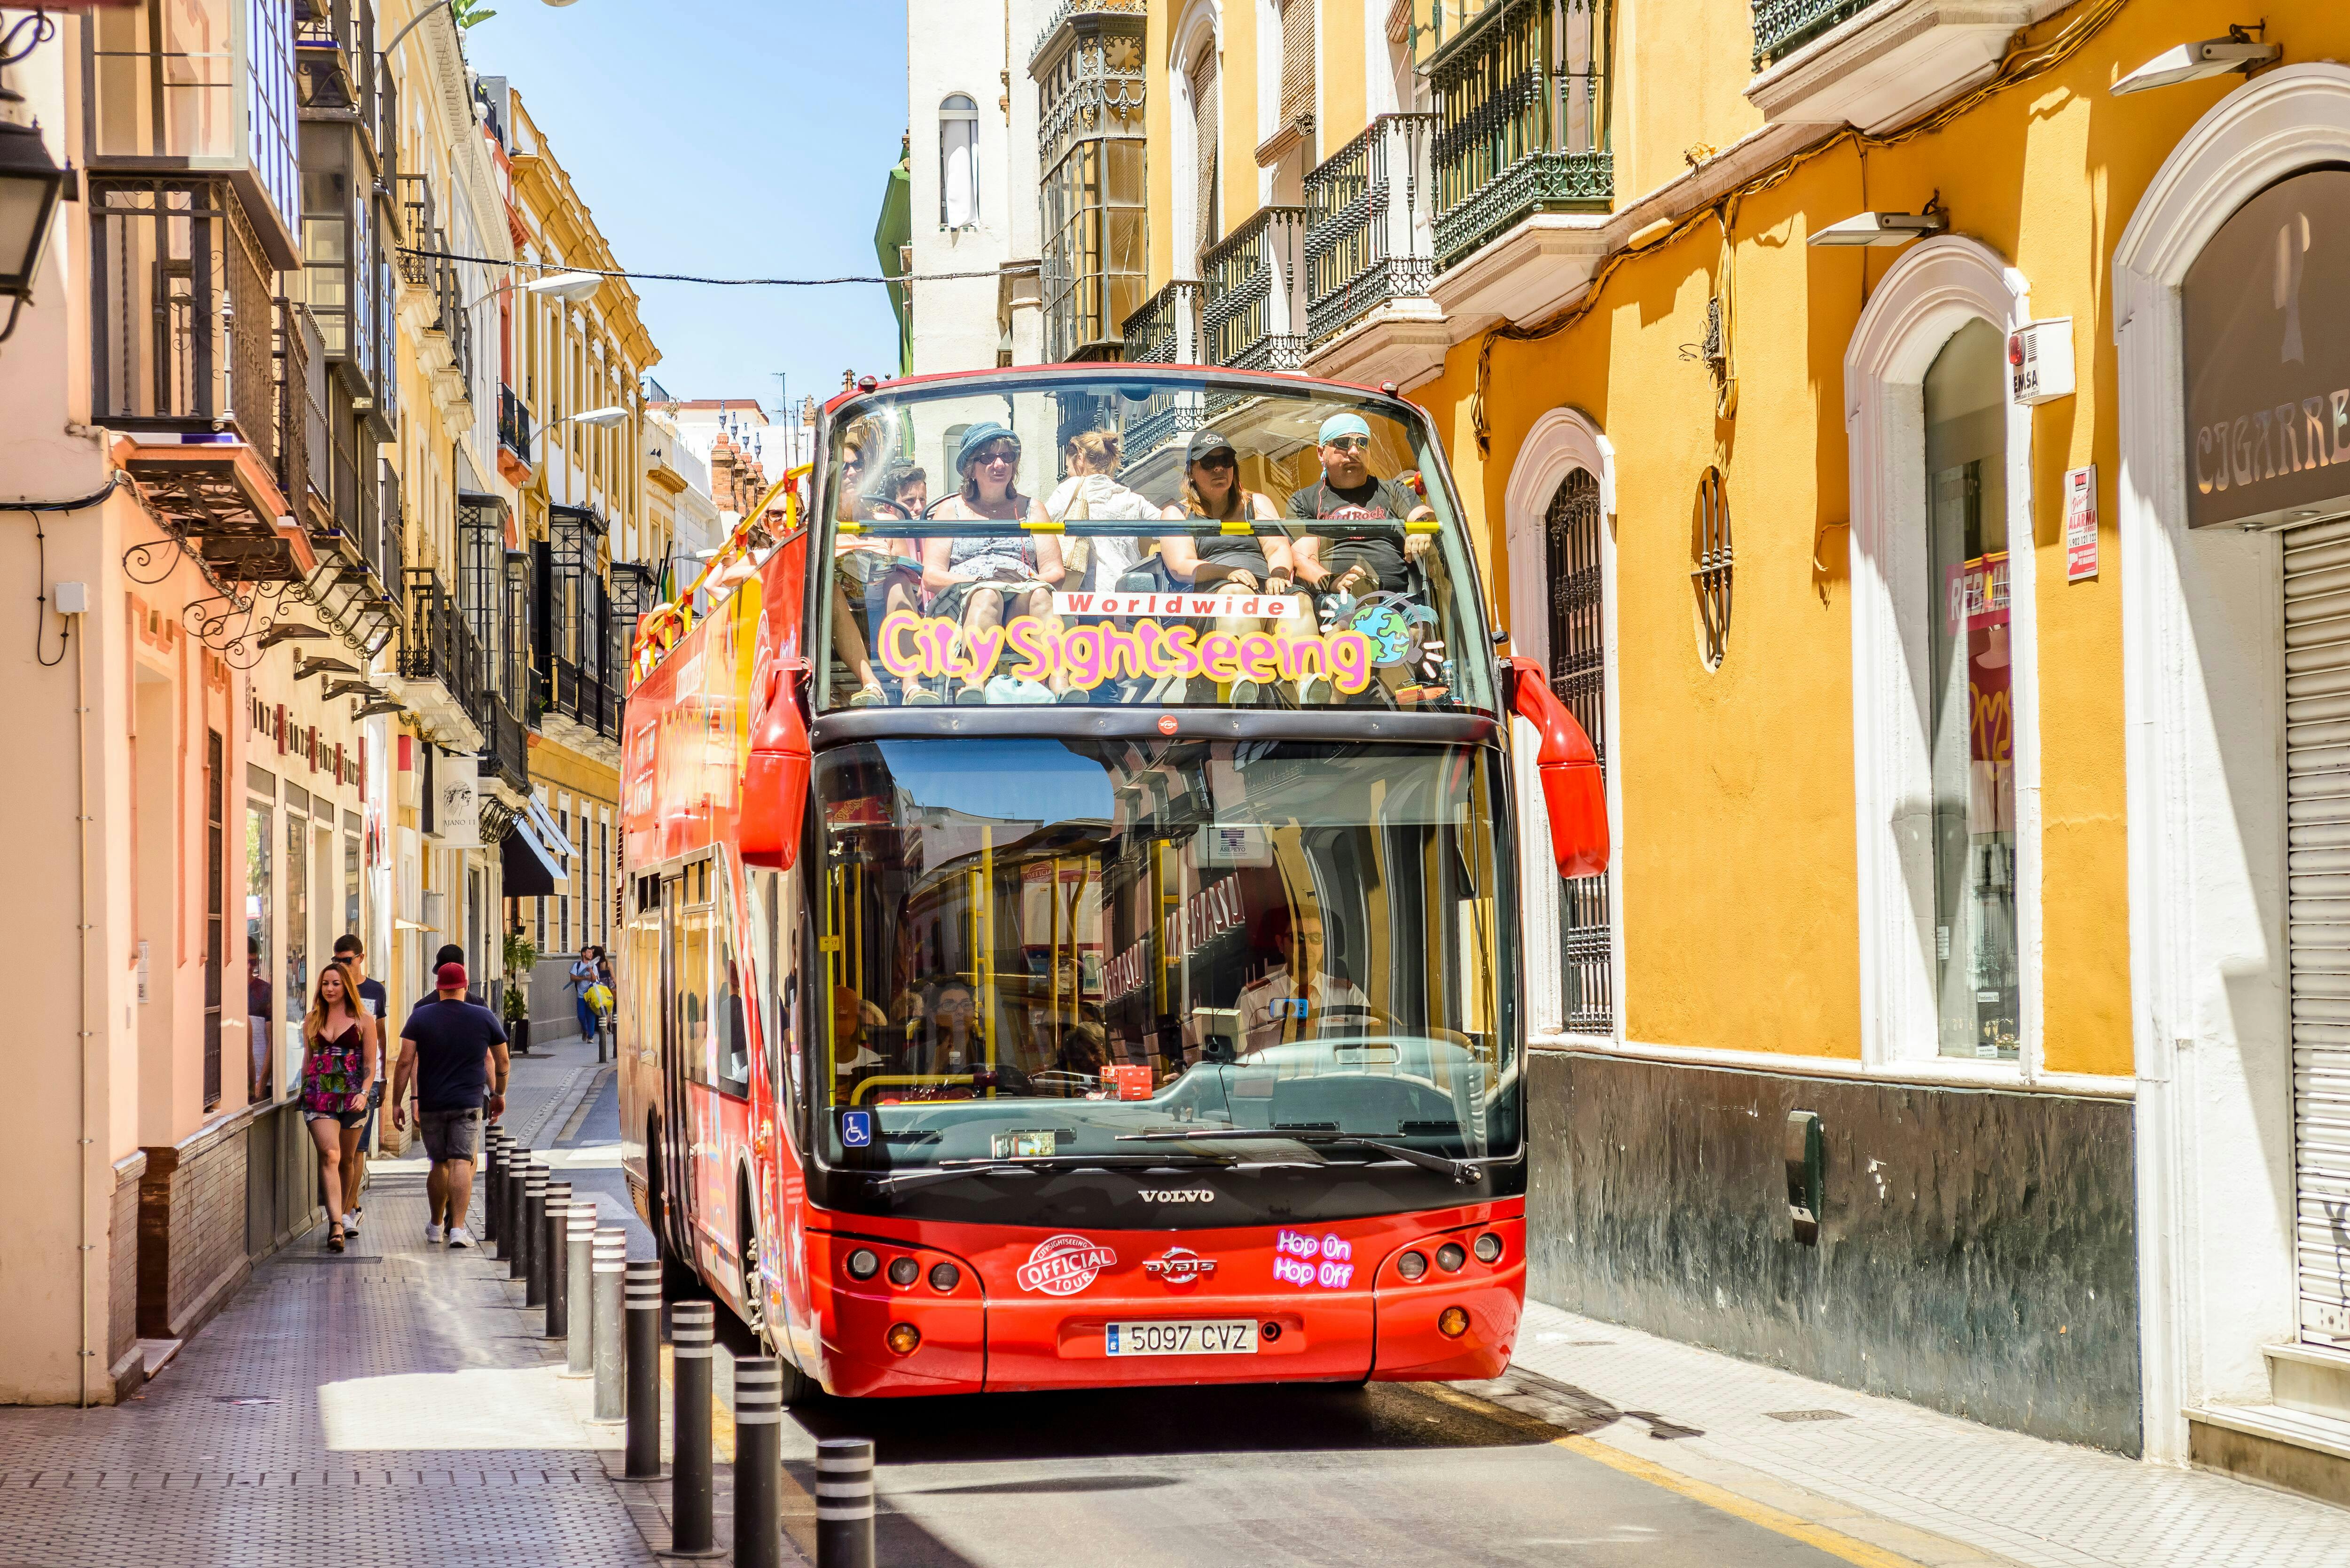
338 1066
1092 495
1238 562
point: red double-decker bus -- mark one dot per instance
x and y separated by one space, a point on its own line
1071 932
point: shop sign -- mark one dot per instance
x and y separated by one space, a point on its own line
2268 358
458 812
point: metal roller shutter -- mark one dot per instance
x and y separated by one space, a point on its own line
2317 815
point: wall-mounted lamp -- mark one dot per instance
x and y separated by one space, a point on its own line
30 185
2193 62
1882 229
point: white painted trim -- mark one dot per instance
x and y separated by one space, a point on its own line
2203 712
1203 20
1933 290
1948 1072
1561 441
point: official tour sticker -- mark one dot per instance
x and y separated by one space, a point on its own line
1063 1265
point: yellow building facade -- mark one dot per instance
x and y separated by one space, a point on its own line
1952 1023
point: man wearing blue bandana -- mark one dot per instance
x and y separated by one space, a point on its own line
1334 553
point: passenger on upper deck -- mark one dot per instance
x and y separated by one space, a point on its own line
1331 556
1237 563
888 571
1092 495
974 575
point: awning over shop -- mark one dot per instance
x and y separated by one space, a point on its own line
551 838
531 871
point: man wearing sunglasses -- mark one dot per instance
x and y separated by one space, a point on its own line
1334 552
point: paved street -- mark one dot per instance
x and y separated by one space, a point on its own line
400 1394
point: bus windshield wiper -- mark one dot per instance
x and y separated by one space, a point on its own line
1033 1164
1461 1170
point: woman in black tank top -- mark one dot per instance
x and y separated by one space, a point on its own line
1236 563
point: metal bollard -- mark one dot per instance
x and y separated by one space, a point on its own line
692 1331
643 1286
510 1249
844 1502
551 1258
758 1463
611 1260
493 1178
578 1317
533 1226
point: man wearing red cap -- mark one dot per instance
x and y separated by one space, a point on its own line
455 1050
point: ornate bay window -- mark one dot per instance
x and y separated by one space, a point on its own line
1088 70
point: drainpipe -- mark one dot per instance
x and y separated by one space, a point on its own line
82 930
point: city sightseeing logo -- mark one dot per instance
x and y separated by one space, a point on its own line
1063 1265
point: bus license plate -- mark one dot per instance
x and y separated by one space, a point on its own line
1219 1338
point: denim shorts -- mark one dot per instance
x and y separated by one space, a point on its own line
451 1135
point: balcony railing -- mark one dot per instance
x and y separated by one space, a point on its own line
325 47
1372 235
418 229
505 748
439 645
1783 26
1254 315
1521 120
514 424
1166 331
580 696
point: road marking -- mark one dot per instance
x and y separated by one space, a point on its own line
1835 1543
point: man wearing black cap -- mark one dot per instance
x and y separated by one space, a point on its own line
456 1052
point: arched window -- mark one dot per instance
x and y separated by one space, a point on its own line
958 162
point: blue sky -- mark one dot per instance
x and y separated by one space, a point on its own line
729 138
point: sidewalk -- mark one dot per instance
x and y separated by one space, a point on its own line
1927 1487
390 1401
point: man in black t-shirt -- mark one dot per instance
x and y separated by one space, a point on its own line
456 1053
1336 552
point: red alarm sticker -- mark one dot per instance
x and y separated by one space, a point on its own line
1165 723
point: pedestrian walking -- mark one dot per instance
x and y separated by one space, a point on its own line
452 954
338 1046
350 953
454 1051
584 977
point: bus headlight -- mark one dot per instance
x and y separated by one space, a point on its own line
1452 1323
1488 1248
903 1337
863 1264
1411 1265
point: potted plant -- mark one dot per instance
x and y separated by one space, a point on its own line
521 956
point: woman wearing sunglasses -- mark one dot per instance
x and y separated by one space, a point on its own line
981 580
1237 564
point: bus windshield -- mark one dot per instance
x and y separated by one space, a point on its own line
1141 539
1037 948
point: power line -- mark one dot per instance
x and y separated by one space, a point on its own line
688 277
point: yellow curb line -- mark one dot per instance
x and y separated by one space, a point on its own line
722 1418
1777 1520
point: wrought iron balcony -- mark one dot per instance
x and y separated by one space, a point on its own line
420 229
505 746
440 645
1254 313
1521 120
1166 331
514 424
324 50
1783 26
1372 235
582 698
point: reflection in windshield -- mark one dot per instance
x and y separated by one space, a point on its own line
1036 946
1160 541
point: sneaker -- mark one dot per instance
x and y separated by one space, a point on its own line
457 1236
351 1223
432 1234
1244 693
1078 694
972 697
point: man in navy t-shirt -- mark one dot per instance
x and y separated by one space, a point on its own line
456 1050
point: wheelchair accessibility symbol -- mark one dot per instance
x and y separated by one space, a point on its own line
855 1129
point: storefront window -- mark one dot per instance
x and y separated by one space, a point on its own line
258 1009
1973 734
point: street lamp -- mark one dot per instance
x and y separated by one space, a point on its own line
598 419
29 187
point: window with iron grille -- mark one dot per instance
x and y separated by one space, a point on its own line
215 884
1709 566
1297 94
1578 676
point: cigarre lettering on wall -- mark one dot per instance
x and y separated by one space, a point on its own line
914 647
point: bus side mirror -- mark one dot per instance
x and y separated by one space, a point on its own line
1573 788
775 789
